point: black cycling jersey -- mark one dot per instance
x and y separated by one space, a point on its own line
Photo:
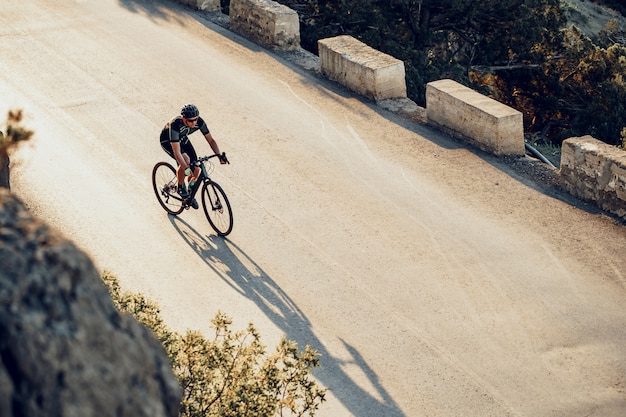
176 131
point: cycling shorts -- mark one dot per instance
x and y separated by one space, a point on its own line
184 148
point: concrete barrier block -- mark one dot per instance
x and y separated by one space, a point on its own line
361 68
266 22
488 124
595 171
207 5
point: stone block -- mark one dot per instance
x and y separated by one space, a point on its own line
486 123
595 171
265 22
361 68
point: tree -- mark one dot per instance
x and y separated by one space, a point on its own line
600 87
230 374
580 89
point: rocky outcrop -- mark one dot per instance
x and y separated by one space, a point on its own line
64 348
4 164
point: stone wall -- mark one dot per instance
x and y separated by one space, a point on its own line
65 350
361 68
266 22
486 123
595 171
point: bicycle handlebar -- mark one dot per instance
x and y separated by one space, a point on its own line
221 156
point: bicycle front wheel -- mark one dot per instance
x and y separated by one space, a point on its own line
165 187
217 208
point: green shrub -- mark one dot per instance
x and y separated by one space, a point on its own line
229 374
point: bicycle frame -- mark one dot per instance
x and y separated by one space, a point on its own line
204 176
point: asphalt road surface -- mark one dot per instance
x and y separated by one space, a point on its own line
433 279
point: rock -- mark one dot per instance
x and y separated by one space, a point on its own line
4 164
64 348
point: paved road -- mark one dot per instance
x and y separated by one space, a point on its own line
432 278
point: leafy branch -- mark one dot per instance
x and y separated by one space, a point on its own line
230 375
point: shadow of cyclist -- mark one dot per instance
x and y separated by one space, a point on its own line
246 277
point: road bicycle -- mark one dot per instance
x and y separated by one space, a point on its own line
214 201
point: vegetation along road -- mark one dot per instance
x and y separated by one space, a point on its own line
432 278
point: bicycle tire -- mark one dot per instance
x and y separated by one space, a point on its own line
165 187
217 209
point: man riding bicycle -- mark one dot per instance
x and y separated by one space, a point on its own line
175 142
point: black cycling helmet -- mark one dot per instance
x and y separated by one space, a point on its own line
189 110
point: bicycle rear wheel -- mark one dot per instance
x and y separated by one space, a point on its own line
165 187
217 208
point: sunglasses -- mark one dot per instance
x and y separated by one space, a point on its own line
195 119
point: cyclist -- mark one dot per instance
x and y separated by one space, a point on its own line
175 142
